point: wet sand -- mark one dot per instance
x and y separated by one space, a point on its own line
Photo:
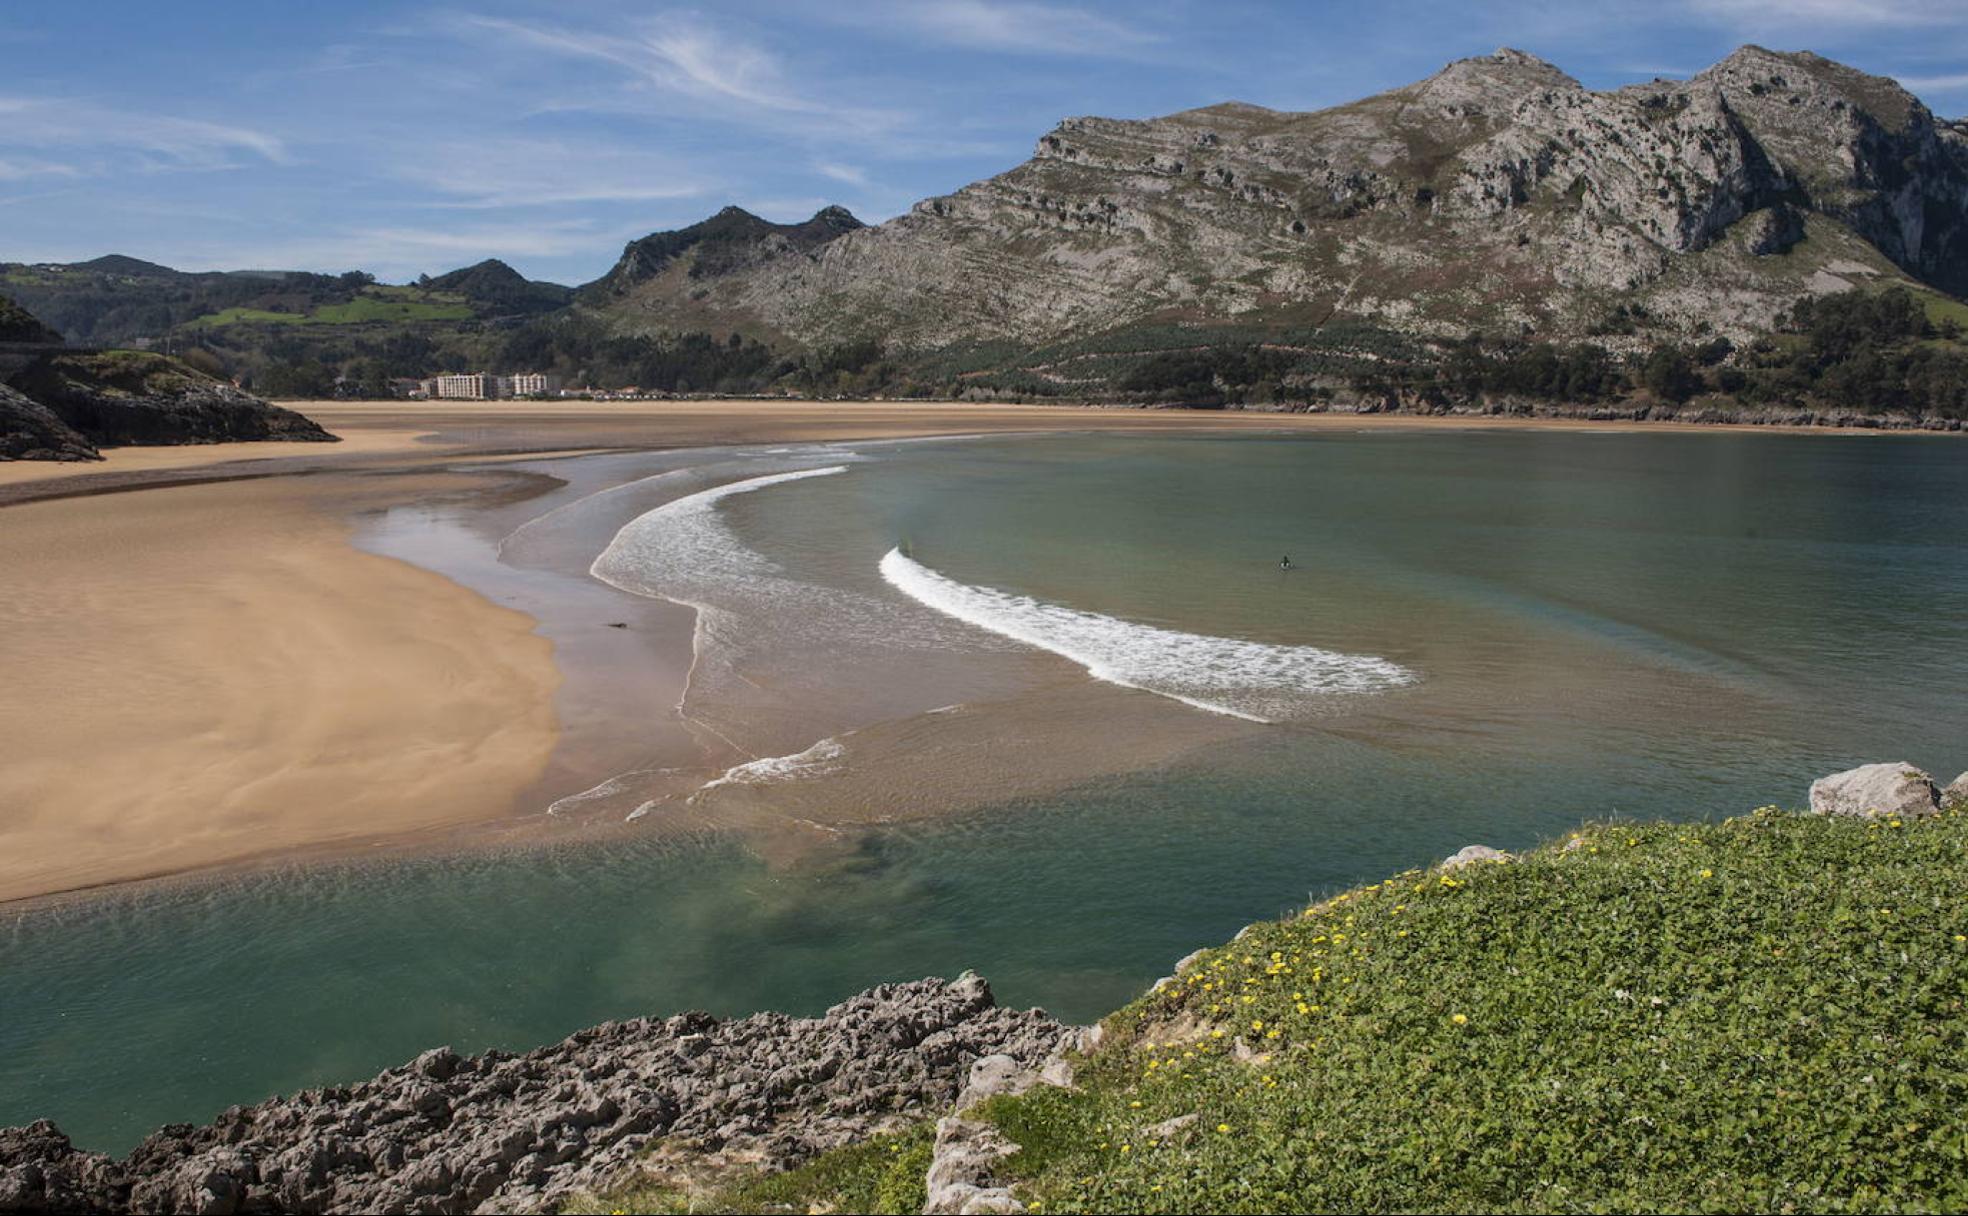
201 670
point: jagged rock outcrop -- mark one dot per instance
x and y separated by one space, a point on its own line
134 397
32 431
732 240
501 1132
1498 195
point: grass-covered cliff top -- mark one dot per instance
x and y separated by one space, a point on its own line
127 372
1766 1013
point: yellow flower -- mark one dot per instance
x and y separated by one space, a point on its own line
1460 1019
1223 1127
1708 873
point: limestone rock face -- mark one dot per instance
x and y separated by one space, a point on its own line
506 1133
1875 791
1497 195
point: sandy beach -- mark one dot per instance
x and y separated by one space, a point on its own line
201 670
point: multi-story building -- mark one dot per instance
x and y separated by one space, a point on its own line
534 384
468 386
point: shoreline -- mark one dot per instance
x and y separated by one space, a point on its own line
445 767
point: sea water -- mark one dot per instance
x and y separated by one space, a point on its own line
1483 636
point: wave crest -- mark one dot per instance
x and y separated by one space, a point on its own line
1256 681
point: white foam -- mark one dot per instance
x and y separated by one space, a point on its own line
682 542
816 761
621 783
1256 681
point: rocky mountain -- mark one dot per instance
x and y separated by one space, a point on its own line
730 242
1496 196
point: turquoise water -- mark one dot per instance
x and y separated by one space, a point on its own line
1641 624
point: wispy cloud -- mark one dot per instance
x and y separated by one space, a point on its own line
510 173
842 173
687 58
1792 14
14 169
1015 26
405 250
144 141
1935 84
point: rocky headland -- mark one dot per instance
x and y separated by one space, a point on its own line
519 1133
63 404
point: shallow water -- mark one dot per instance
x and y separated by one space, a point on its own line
1590 624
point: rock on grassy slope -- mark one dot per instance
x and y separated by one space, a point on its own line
1767 1013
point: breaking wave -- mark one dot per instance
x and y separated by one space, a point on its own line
1256 681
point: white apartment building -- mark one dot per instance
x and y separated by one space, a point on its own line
469 386
534 384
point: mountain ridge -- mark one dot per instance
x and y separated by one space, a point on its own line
1496 193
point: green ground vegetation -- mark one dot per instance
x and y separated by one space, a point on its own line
882 1175
1765 1013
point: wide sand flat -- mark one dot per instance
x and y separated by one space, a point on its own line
207 673
196 668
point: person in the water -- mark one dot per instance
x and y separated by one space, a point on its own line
1284 563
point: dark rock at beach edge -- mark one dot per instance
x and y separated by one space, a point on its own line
113 398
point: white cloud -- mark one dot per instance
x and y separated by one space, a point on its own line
1791 14
14 169
842 173
536 172
687 59
1018 26
1935 84
146 141
402 251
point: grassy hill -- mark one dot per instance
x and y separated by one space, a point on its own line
1766 1013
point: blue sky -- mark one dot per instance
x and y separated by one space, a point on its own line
405 138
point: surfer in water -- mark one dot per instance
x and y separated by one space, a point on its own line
1284 563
